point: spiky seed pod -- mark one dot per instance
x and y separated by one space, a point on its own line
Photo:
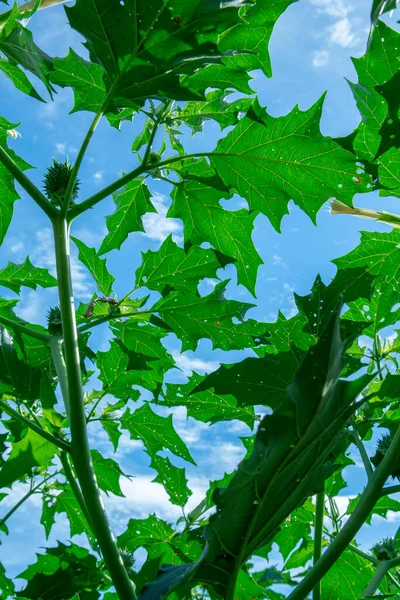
385 549
127 559
54 323
56 181
154 158
381 449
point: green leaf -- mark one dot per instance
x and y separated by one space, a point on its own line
112 430
172 478
389 171
270 161
8 195
195 317
171 267
108 473
255 381
84 77
114 373
290 459
151 533
348 578
14 276
377 253
168 578
31 451
16 377
204 219
132 202
19 79
96 266
157 433
206 406
20 49
66 502
215 108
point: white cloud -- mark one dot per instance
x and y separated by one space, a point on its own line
332 8
341 34
17 247
192 363
276 260
31 308
98 176
60 147
320 58
157 226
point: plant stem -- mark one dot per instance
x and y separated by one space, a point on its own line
318 529
76 490
364 456
37 335
391 489
77 210
60 443
24 498
80 446
59 364
370 496
382 569
27 184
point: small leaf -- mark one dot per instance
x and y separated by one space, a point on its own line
14 276
96 266
132 202
172 478
108 473
157 433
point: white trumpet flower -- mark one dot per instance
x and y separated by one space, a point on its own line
13 133
339 208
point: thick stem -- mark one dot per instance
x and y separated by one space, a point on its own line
60 443
27 184
318 529
369 498
80 446
379 574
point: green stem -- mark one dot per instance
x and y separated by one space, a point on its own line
59 364
79 440
60 443
24 498
37 335
318 529
369 498
76 490
364 456
27 184
77 210
382 569
391 489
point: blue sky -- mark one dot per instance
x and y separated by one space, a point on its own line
310 50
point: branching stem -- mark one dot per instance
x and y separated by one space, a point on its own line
30 493
318 529
60 443
364 456
37 335
369 498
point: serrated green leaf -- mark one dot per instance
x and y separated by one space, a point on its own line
67 503
204 219
157 433
108 473
206 406
84 77
195 317
19 79
215 108
172 478
170 266
96 266
151 533
20 48
132 202
16 377
270 161
15 276
348 578
31 451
